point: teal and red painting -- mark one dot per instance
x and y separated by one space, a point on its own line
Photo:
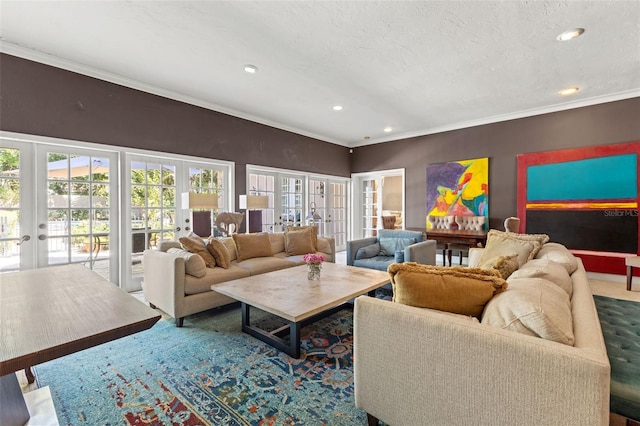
586 199
458 188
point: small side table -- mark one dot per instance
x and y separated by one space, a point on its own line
631 262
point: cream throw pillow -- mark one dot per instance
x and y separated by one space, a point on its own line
451 289
193 264
299 242
505 244
559 254
547 269
252 245
505 265
532 306
196 245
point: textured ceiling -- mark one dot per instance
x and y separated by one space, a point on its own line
418 66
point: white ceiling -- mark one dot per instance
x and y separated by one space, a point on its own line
420 67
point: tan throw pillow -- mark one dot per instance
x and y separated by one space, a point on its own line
505 244
219 252
314 234
459 290
231 247
505 265
193 264
196 245
299 242
559 254
535 307
252 245
547 269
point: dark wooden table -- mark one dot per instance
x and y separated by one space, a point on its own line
52 312
455 237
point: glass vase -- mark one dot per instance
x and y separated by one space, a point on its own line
313 271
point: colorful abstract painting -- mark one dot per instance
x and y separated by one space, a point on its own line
585 198
458 188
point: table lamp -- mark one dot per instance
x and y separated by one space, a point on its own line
253 204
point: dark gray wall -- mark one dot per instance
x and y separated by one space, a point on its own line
610 123
42 100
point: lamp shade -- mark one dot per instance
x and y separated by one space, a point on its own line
191 200
252 202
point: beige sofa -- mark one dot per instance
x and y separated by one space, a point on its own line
418 366
167 286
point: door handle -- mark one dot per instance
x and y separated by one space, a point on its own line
42 237
178 229
23 239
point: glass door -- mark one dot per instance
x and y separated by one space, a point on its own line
59 206
328 209
378 194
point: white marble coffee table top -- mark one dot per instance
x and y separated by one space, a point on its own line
288 294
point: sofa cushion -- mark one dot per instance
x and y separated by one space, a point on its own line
196 245
505 265
252 245
381 263
314 234
505 244
261 265
219 252
451 289
277 242
193 285
559 254
299 242
165 245
532 306
369 251
389 245
193 264
547 269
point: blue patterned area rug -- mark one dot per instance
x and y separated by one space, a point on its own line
208 373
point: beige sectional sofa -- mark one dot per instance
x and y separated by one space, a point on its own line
168 286
420 366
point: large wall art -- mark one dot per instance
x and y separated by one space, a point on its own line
586 199
458 188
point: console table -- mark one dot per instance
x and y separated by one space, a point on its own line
52 312
455 236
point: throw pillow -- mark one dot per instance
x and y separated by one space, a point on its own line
219 252
193 264
451 289
196 245
505 265
389 245
547 269
368 252
560 254
299 242
540 309
314 234
231 247
249 246
398 256
505 244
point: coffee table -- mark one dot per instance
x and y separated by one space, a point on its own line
289 295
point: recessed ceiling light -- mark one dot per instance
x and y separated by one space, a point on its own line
570 34
568 91
251 69
388 129
337 107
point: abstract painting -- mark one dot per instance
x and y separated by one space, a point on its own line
458 188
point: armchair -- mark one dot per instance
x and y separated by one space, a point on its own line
391 246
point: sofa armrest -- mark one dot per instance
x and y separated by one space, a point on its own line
327 245
423 252
353 246
416 366
164 281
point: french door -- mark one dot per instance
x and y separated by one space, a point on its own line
377 194
58 205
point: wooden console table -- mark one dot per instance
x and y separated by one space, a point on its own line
455 236
51 312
